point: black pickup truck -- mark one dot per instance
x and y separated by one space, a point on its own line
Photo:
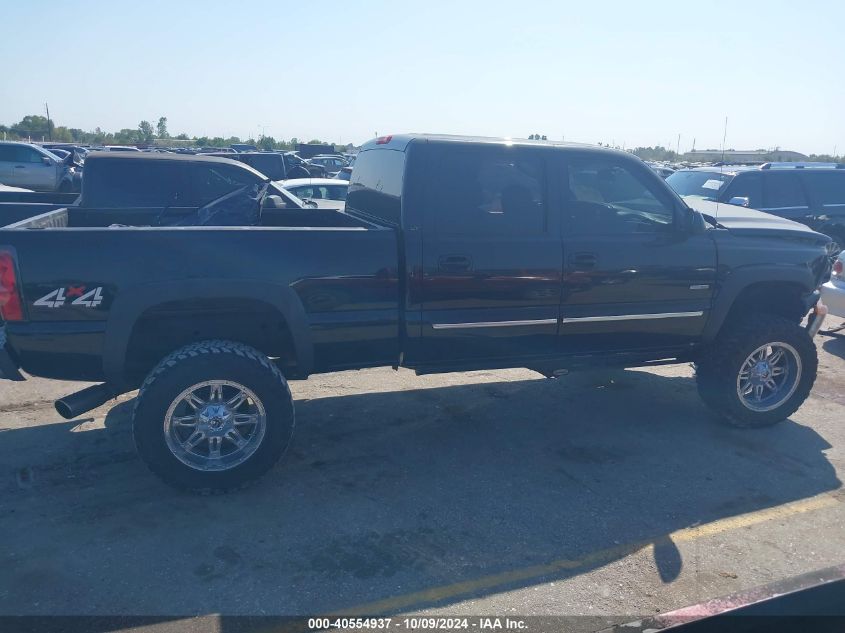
452 254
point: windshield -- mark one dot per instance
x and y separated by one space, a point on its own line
705 184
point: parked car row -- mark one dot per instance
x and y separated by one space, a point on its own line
33 167
58 166
810 193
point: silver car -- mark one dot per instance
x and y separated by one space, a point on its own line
32 167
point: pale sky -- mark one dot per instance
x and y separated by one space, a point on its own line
634 72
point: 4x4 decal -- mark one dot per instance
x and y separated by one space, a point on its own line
58 297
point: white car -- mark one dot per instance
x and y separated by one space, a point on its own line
326 193
833 292
33 167
8 188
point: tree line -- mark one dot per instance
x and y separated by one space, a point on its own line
38 128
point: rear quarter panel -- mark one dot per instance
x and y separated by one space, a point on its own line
344 282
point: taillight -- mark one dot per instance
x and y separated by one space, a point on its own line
837 268
10 299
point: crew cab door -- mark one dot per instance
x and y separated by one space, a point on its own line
633 277
489 284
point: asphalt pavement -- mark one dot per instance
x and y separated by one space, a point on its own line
608 496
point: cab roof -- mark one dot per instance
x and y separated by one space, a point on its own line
158 156
401 141
97 157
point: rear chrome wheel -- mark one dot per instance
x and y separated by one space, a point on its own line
215 425
213 416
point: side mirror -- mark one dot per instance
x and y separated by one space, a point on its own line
740 201
691 222
46 160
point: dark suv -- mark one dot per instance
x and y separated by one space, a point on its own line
810 193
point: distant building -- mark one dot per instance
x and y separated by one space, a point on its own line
743 156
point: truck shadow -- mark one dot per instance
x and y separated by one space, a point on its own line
835 345
398 500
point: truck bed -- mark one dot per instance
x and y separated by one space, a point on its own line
94 280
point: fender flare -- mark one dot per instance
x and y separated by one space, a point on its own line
742 278
133 301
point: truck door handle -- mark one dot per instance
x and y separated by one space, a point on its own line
583 260
454 263
20 166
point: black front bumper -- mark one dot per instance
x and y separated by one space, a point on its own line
8 365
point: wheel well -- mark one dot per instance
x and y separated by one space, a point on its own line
168 326
770 297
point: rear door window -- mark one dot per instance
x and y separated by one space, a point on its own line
484 191
783 190
334 192
826 188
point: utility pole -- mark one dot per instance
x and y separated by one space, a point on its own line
49 127
678 146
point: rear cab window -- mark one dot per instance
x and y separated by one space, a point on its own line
375 188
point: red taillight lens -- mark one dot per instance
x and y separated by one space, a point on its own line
384 140
837 268
10 300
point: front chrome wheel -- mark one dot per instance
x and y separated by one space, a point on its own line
215 425
769 376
